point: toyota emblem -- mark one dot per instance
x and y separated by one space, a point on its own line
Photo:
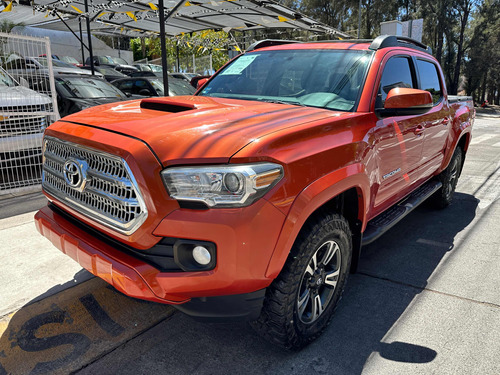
75 173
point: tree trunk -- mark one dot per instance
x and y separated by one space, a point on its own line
458 65
483 87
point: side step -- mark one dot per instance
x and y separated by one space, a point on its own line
387 219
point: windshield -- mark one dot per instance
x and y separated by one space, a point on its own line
57 63
88 88
68 59
118 60
156 68
110 72
330 79
5 79
179 87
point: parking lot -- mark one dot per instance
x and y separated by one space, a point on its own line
425 300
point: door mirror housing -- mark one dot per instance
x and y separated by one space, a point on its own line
201 82
402 101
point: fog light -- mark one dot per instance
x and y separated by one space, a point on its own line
201 255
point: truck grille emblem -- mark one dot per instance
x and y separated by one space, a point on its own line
75 173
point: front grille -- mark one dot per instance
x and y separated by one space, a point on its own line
96 184
28 109
17 125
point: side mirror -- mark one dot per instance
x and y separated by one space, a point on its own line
200 83
23 82
403 101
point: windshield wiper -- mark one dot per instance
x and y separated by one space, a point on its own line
281 102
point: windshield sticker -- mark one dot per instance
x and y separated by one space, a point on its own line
239 65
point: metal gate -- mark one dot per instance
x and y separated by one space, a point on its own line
28 104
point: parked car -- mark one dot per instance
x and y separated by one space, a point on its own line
143 73
66 59
69 60
109 74
252 199
185 76
24 115
114 62
153 86
77 92
149 68
31 68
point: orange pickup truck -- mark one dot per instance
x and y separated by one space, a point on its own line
252 198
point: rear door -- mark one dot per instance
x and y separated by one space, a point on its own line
436 121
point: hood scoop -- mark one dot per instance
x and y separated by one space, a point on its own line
166 105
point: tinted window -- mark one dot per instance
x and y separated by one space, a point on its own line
429 79
125 86
397 73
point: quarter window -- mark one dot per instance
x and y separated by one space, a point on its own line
397 73
429 79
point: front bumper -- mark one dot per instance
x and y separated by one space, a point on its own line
245 240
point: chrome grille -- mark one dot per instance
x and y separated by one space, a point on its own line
107 193
18 125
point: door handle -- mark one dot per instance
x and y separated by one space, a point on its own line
419 130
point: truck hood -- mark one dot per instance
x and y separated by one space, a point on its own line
21 96
189 129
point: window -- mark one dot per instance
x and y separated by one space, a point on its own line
429 79
397 73
330 79
125 86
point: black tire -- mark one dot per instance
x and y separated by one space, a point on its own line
289 318
449 178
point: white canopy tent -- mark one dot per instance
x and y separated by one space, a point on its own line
167 18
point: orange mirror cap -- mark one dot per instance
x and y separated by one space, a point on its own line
201 82
402 97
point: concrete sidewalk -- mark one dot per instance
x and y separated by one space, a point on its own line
32 268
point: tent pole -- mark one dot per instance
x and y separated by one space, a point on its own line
91 53
163 42
81 41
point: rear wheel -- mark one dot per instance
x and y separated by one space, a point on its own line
449 178
299 304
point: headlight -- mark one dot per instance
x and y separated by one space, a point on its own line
222 186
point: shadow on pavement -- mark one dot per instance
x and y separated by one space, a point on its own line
393 271
72 325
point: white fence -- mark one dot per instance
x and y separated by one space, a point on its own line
24 113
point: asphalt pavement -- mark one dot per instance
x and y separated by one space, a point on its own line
426 300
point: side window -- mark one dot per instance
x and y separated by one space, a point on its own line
429 79
126 86
397 73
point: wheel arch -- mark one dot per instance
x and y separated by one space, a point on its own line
345 190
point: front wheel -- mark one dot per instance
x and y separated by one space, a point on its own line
300 303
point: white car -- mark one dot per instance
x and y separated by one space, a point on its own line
24 115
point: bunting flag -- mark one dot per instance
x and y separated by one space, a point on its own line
152 6
8 8
282 19
132 15
237 48
187 4
75 8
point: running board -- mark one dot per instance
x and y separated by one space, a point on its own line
387 219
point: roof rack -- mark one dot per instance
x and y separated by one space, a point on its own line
384 41
268 43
